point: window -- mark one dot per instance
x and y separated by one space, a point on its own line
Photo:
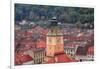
71 50
92 57
58 40
50 41
71 54
34 61
80 60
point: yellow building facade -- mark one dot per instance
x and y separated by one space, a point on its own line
54 41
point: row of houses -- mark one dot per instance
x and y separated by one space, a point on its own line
80 50
31 56
32 44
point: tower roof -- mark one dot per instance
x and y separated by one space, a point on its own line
53 21
55 30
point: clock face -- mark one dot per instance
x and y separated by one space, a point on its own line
54 40
59 40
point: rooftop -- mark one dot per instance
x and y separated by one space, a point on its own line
60 59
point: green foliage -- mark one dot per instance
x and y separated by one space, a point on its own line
64 14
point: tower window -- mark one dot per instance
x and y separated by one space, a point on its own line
58 41
50 40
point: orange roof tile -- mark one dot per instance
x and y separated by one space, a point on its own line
41 44
91 50
61 58
51 60
21 58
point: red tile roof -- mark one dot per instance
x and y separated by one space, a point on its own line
29 33
51 60
91 50
78 38
44 32
21 58
41 44
61 58
65 58
71 44
28 42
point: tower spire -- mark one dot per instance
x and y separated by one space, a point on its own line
54 21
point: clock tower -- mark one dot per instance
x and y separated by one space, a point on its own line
54 39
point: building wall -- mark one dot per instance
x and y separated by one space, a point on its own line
70 50
84 58
54 45
38 56
28 63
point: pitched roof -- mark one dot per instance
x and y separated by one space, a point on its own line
21 58
41 44
51 60
90 50
82 50
71 44
78 38
60 59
